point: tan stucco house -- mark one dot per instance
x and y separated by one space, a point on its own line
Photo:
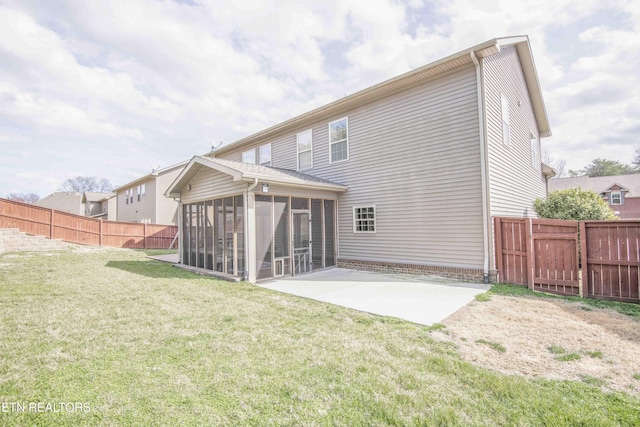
402 176
142 200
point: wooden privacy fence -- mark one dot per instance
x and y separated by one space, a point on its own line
72 228
546 254
611 259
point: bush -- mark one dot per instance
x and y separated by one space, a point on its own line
575 204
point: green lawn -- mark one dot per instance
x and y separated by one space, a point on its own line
138 342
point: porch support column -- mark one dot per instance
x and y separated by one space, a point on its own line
251 236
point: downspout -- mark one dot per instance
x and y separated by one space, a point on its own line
483 170
254 185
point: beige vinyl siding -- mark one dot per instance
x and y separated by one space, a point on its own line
137 211
209 184
416 156
282 153
166 207
513 182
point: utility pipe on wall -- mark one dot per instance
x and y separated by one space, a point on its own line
483 170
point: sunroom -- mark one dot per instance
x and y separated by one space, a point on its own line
254 222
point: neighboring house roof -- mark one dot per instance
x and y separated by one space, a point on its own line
248 172
599 184
396 84
90 196
64 201
153 174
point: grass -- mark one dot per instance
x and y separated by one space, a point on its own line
141 343
494 345
631 310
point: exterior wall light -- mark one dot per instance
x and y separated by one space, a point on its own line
265 187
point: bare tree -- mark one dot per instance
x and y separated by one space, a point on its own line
30 198
87 183
559 165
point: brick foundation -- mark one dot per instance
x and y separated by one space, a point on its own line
463 274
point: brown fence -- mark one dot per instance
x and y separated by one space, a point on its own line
72 228
611 259
544 255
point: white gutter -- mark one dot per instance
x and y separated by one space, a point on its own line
483 170
247 258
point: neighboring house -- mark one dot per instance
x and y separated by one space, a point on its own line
622 192
99 205
403 176
63 201
90 204
142 200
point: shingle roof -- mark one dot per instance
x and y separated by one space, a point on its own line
599 184
91 196
268 172
247 172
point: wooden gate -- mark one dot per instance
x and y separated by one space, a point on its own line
539 253
555 256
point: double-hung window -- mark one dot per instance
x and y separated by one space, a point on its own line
249 156
305 150
364 219
616 198
339 140
265 155
535 151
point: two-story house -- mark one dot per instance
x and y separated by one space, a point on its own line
99 205
88 203
622 192
402 176
142 200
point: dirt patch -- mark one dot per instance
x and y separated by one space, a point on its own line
543 338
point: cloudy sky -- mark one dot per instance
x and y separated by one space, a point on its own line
114 88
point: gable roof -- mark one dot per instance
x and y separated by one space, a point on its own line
599 184
413 77
250 173
91 196
151 175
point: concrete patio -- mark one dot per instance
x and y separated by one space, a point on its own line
420 299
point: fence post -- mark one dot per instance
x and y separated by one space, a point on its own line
100 239
497 246
145 235
51 225
528 228
581 258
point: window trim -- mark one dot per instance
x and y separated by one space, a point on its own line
253 153
504 112
331 143
270 155
355 221
619 193
298 152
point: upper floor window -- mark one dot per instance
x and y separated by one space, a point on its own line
506 127
364 219
535 151
339 140
616 198
265 155
142 191
305 150
249 156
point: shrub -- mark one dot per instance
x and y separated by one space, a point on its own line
575 204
